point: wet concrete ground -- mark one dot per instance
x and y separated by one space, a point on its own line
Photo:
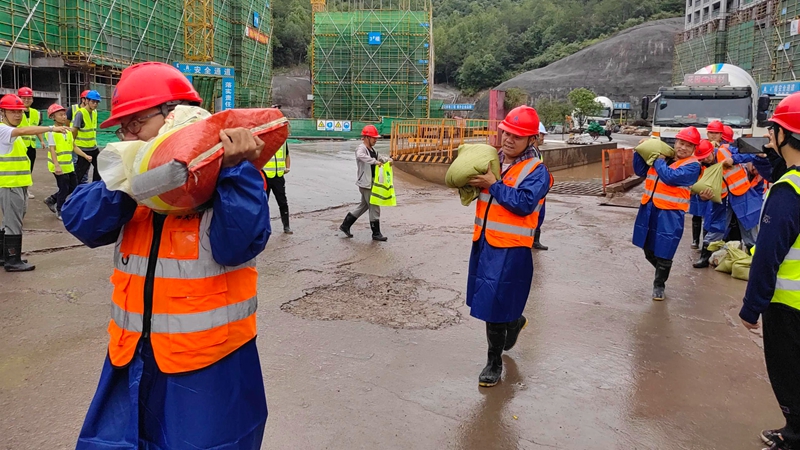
600 366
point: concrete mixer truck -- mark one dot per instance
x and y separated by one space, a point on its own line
717 92
602 118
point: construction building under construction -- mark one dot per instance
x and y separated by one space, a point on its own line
371 59
61 47
760 36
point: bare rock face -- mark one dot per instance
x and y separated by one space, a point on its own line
633 63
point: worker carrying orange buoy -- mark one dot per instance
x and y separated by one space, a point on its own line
182 369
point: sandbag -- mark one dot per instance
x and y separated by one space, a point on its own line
383 187
725 265
734 254
712 178
651 148
716 245
717 257
741 269
176 172
472 159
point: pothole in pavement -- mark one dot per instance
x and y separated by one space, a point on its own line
400 303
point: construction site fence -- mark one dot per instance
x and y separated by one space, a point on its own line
617 165
438 139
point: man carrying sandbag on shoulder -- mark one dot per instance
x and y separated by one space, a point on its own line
182 368
659 223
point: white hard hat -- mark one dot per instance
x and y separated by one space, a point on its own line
542 129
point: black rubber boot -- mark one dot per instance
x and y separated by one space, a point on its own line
285 221
51 203
349 220
705 255
496 336
3 247
12 248
697 228
376 231
536 243
663 267
512 332
651 258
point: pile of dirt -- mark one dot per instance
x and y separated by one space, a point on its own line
291 92
633 63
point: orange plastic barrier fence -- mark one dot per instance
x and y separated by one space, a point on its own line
439 137
617 165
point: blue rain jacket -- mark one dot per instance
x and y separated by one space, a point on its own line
697 206
499 279
746 207
222 406
659 230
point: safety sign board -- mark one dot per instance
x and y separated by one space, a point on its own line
320 125
210 70
346 126
334 125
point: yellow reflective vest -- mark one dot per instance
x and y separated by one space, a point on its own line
87 136
15 167
31 119
383 187
64 149
276 166
787 285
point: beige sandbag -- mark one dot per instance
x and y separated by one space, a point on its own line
725 265
734 255
472 159
741 268
651 148
712 178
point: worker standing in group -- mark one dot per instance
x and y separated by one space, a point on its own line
30 118
773 290
84 124
182 369
659 222
367 159
73 109
59 162
738 200
506 217
275 169
51 200
537 244
15 178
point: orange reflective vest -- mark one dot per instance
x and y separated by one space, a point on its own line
194 310
504 229
735 179
665 196
755 182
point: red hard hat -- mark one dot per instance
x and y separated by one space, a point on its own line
54 108
703 149
146 85
715 127
787 113
690 135
522 121
727 134
25 92
12 103
85 93
370 131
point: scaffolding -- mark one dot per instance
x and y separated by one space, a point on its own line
372 63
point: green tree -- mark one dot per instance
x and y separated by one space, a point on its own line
479 72
582 100
552 111
515 97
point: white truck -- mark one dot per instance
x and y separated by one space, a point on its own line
602 118
717 92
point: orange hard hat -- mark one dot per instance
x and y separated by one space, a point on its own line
147 85
703 149
522 121
370 131
690 135
12 103
727 134
54 108
715 127
25 92
787 113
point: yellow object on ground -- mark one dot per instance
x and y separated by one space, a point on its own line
741 268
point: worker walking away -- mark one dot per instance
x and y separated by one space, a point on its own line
659 222
738 200
367 159
773 290
182 369
84 124
506 217
30 118
537 244
275 169
59 161
15 178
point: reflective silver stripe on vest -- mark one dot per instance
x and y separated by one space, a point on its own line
186 323
526 170
539 207
484 196
13 159
671 199
382 197
787 285
793 255
738 183
505 228
654 178
86 130
11 174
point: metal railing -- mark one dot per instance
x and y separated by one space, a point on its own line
440 137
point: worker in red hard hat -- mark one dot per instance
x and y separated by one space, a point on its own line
772 291
659 223
182 369
367 159
727 134
51 201
697 206
31 117
506 218
59 161
15 178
